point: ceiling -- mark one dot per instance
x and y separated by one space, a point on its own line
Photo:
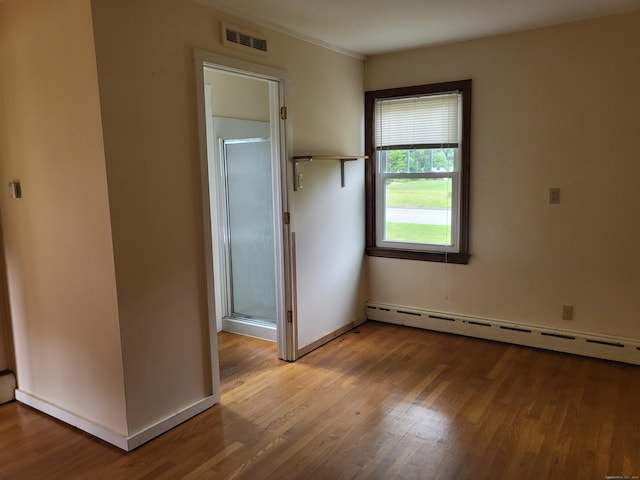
368 27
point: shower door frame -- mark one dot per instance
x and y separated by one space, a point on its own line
232 320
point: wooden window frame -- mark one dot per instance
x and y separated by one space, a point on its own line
460 257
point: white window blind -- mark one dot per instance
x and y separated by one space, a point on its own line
418 121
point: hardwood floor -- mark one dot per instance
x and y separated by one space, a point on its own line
380 402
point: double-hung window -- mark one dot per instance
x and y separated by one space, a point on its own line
417 139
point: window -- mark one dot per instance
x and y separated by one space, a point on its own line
417 174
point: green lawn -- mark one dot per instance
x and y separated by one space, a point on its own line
419 192
418 233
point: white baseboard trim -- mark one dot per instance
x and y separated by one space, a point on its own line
109 436
619 349
168 423
256 330
327 338
126 443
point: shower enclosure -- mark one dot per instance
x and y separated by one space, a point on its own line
249 237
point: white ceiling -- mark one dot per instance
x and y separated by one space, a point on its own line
368 27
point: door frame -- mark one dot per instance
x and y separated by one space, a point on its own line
286 326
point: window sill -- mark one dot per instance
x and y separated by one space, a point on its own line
460 258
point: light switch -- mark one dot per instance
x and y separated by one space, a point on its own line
14 189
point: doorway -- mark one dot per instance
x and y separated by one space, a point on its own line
244 165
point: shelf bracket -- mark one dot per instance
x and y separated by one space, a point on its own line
342 161
308 158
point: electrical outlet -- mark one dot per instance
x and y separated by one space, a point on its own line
554 195
567 312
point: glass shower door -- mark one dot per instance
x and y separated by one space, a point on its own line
250 242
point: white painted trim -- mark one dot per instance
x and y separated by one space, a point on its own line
287 334
214 360
264 332
331 336
126 443
607 347
309 39
243 67
103 433
203 59
157 429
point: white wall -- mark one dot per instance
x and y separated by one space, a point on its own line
555 107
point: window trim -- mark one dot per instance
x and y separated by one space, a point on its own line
461 257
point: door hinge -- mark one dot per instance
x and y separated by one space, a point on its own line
283 113
286 219
289 316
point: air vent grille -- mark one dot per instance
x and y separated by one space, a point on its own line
260 44
234 36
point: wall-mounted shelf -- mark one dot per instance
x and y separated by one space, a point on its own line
308 158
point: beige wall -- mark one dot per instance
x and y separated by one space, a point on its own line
327 112
57 237
324 97
556 107
109 166
147 90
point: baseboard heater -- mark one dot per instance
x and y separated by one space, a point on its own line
579 343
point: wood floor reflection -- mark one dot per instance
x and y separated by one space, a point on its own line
380 402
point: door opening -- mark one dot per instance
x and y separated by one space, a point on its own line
245 190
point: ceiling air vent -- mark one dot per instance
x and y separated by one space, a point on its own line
234 36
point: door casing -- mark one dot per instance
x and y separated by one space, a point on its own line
286 325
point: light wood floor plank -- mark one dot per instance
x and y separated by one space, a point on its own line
387 402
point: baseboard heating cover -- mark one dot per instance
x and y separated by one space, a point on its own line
579 343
